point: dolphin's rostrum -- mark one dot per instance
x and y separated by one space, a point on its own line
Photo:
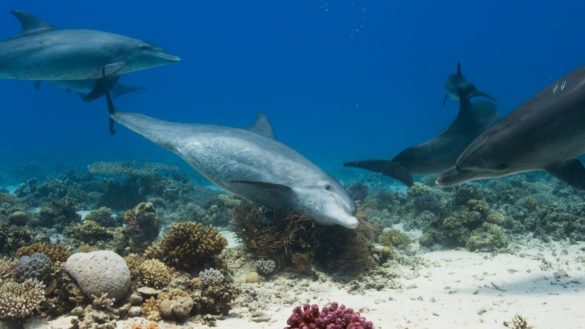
251 164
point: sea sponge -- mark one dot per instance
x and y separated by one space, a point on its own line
142 225
154 273
56 252
188 246
20 300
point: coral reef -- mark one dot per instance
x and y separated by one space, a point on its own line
394 238
215 298
175 305
211 277
296 242
6 268
188 246
56 252
37 266
20 300
142 225
330 317
154 273
265 266
13 237
104 217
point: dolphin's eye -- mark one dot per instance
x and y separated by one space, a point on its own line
328 187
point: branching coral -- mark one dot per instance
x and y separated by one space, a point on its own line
331 317
215 299
188 246
211 277
265 266
20 300
154 273
6 268
56 252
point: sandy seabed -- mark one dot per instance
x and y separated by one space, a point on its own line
542 282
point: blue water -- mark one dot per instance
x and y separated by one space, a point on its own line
340 80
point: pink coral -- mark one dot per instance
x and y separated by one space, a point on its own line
331 317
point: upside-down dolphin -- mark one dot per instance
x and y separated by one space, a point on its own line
441 152
251 164
42 52
84 88
545 133
457 82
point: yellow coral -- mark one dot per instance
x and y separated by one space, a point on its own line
20 300
56 252
188 245
155 274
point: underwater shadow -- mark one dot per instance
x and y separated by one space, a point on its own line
554 284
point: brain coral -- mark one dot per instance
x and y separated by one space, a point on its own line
188 246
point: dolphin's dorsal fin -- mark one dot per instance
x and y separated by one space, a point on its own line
30 23
262 126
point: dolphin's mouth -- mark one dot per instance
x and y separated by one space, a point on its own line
454 175
168 57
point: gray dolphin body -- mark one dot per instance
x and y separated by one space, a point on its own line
441 152
251 164
42 52
545 133
457 82
84 88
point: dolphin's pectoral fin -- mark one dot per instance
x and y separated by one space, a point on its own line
445 99
30 23
263 192
112 69
388 168
37 84
262 126
111 112
101 87
571 172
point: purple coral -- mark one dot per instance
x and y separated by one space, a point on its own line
331 317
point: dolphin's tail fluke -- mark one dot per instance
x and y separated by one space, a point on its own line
388 168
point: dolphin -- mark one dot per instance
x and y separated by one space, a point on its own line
42 52
458 81
250 163
441 152
545 133
84 88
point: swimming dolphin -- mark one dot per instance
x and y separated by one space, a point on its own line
458 81
545 133
42 52
441 152
251 164
84 88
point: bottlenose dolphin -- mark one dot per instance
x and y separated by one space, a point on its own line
457 81
84 88
42 52
545 133
250 163
441 152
